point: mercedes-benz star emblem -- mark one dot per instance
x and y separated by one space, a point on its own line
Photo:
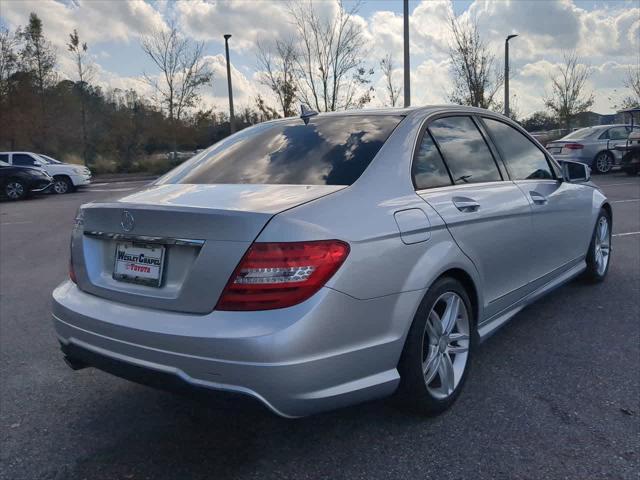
127 222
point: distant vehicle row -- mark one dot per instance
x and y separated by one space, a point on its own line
64 177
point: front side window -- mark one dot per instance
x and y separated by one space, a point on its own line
464 150
4 157
23 159
329 150
428 168
523 159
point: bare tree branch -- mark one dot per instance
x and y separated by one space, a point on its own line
393 91
475 78
278 64
567 97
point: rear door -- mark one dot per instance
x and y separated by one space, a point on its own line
561 210
457 174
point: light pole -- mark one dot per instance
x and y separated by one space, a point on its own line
506 73
407 66
232 122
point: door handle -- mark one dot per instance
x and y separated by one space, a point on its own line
465 204
538 198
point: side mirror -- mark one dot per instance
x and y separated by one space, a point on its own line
575 171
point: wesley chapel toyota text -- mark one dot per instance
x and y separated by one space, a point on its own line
321 261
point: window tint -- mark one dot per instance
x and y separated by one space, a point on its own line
428 168
22 159
330 150
523 159
4 157
465 151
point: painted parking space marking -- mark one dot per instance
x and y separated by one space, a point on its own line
625 201
627 234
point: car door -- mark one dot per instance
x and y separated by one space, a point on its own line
561 211
617 136
456 173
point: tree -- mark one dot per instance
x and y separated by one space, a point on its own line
330 63
265 111
476 80
393 90
39 58
85 72
568 97
278 65
182 72
9 60
632 82
539 121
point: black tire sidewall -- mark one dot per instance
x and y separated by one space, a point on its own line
413 390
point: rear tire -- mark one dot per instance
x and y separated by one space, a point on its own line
603 163
599 254
15 190
62 185
437 353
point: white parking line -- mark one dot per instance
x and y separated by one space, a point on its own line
111 189
625 234
616 184
15 223
625 201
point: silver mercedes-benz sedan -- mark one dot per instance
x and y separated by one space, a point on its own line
326 260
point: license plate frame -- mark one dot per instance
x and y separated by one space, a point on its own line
138 268
555 150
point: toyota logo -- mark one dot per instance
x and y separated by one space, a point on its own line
127 222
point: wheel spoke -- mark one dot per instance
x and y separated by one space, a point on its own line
434 327
458 337
451 313
445 371
430 366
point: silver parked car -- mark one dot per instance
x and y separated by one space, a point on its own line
593 146
322 261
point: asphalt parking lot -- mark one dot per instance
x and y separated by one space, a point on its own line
555 394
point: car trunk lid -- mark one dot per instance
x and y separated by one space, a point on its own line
198 232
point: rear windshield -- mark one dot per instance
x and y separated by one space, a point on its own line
332 150
579 134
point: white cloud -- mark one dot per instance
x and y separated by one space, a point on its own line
96 20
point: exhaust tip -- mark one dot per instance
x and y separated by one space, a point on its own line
74 364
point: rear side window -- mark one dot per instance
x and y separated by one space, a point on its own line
428 168
618 133
4 157
465 151
22 159
523 159
331 150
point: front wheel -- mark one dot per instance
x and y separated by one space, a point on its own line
62 185
599 254
603 162
15 190
437 353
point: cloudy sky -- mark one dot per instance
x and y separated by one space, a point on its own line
605 33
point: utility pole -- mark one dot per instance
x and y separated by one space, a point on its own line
407 66
506 74
232 120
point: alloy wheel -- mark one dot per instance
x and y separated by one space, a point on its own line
60 186
445 345
602 245
603 162
14 190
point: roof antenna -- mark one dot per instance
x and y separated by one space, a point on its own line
306 113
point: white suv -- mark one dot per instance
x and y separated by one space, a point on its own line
66 176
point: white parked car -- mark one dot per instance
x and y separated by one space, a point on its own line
67 177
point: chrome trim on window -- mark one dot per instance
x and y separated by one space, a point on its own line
145 238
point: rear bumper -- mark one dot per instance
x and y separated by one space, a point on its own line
40 187
327 352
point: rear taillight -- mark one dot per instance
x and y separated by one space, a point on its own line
279 275
573 146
